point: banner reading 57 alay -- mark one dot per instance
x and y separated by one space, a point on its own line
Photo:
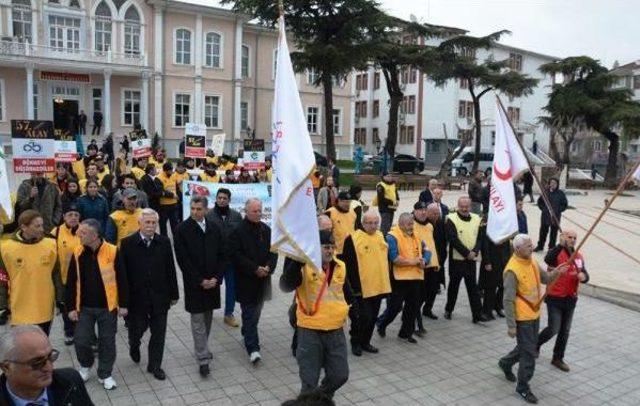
33 145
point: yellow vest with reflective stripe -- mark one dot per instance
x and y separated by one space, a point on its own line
169 184
66 243
528 291
30 270
425 234
389 193
408 247
126 223
106 263
467 232
343 225
373 264
332 310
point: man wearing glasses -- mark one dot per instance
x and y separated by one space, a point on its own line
28 375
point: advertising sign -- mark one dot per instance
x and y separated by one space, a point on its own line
195 140
253 158
140 144
66 149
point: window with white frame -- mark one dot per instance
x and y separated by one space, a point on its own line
64 33
130 107
181 109
212 50
337 121
22 20
183 46
313 119
245 61
212 111
515 61
244 116
132 30
312 76
35 100
102 40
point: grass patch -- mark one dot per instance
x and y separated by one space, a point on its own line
346 164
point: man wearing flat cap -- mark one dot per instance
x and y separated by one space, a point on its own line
344 220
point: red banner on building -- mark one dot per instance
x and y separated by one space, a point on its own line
65 76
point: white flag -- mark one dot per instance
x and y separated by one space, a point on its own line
636 174
509 162
5 197
294 224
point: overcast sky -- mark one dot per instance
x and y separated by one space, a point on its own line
607 30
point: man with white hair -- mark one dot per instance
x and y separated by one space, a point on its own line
149 288
522 300
28 376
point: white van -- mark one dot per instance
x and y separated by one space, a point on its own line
464 162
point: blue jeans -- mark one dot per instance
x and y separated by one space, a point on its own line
250 318
229 290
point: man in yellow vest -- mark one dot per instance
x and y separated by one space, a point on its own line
344 220
409 257
321 312
463 233
139 169
124 222
91 173
365 255
386 199
522 300
92 298
67 240
169 199
210 174
424 216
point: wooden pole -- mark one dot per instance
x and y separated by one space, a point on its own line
280 8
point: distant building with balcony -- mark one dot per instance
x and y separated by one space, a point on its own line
157 63
629 78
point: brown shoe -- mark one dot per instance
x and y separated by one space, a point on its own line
558 363
231 321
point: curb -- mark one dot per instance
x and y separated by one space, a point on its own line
627 300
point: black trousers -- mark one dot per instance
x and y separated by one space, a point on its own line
457 271
493 291
432 280
407 293
96 129
46 326
547 228
560 311
363 320
157 323
169 213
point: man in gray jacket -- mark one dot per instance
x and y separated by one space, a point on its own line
37 193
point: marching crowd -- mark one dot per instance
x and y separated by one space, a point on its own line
85 241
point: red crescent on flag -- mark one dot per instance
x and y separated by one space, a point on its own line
502 175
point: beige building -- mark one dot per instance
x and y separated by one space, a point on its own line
159 63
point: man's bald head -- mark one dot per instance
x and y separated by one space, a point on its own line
568 238
464 205
433 212
433 184
324 223
370 222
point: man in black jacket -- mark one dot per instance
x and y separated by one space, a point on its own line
97 122
249 245
150 288
153 187
28 375
199 251
559 204
440 237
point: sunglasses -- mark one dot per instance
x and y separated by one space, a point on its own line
37 364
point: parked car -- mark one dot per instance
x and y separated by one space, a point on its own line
464 162
402 163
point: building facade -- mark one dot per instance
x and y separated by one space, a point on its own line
159 63
629 78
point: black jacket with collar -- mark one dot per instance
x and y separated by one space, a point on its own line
66 389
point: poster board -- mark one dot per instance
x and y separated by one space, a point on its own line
33 144
195 136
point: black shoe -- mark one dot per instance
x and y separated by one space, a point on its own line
370 348
4 317
382 331
489 316
421 332
447 315
356 350
158 373
134 353
480 319
409 339
204 370
528 397
500 313
430 315
508 374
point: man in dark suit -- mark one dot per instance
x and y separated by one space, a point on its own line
150 288
153 187
427 194
249 245
28 375
199 251
439 234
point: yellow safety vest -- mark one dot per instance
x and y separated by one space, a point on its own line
169 184
408 247
106 263
208 178
321 305
180 177
343 225
157 164
126 223
389 193
138 172
425 234
528 291
467 232
78 169
66 243
102 174
30 269
373 263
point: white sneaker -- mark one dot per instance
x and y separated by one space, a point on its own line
108 383
84 373
255 357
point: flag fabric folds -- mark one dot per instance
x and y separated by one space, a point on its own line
509 162
5 196
636 174
294 223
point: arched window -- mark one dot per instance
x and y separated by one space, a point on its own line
103 28
183 46
21 15
132 32
212 50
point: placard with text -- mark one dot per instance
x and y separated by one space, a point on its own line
33 145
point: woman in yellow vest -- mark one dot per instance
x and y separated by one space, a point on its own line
169 200
67 241
345 221
32 284
365 255
522 299
123 222
139 169
321 310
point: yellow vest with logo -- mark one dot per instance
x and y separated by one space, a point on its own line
425 234
138 172
66 243
169 184
78 169
343 225
30 269
106 263
208 178
467 232
528 292
373 263
126 223
389 193
332 309
408 247
101 175
180 177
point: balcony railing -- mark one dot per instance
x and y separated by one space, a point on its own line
16 48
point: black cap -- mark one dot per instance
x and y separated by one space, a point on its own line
326 238
420 205
344 196
70 207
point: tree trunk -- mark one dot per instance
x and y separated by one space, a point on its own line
478 127
566 159
395 98
611 176
553 147
327 84
445 168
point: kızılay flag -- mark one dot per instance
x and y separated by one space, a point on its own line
294 230
5 197
509 162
